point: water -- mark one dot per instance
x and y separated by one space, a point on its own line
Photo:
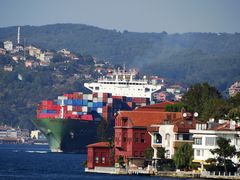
36 162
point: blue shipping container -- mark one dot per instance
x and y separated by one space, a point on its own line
90 104
85 102
77 102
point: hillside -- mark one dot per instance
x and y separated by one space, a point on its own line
23 88
186 58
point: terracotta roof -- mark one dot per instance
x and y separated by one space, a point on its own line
155 107
224 127
183 125
100 144
147 118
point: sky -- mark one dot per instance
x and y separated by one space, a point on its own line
172 16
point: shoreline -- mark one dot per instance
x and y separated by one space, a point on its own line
173 174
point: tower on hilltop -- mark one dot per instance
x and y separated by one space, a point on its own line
18 35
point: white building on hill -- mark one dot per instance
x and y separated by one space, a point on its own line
8 45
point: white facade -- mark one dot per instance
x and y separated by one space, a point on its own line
8 45
205 140
168 139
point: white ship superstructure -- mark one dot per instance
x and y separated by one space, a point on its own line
122 83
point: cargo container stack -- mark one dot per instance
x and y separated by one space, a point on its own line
77 106
95 106
48 109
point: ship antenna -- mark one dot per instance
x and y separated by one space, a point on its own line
124 71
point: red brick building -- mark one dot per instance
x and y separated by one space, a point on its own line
98 155
131 135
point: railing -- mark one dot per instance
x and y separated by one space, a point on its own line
220 175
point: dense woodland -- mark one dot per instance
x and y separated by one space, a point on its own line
186 58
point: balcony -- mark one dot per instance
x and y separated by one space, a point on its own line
178 143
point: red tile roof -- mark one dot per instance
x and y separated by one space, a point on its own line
224 127
147 118
100 144
183 125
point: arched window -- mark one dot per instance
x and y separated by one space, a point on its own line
157 138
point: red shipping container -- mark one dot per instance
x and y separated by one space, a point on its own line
117 97
77 95
53 116
77 108
87 117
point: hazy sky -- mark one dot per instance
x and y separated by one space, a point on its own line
132 15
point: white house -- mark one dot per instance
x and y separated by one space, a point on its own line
205 137
172 133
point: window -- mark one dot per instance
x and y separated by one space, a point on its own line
179 137
124 121
142 137
103 159
97 88
210 141
198 141
167 139
157 138
147 89
136 139
136 153
198 152
183 137
96 159
124 137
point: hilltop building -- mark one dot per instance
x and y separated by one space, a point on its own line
234 89
64 52
8 68
8 45
2 51
33 51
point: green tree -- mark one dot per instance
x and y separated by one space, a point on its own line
120 161
199 94
183 157
234 113
102 131
148 153
177 107
215 108
224 152
161 152
235 100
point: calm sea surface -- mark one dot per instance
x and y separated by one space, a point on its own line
36 162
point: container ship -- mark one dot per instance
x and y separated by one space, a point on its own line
70 122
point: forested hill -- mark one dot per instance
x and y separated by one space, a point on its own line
186 58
